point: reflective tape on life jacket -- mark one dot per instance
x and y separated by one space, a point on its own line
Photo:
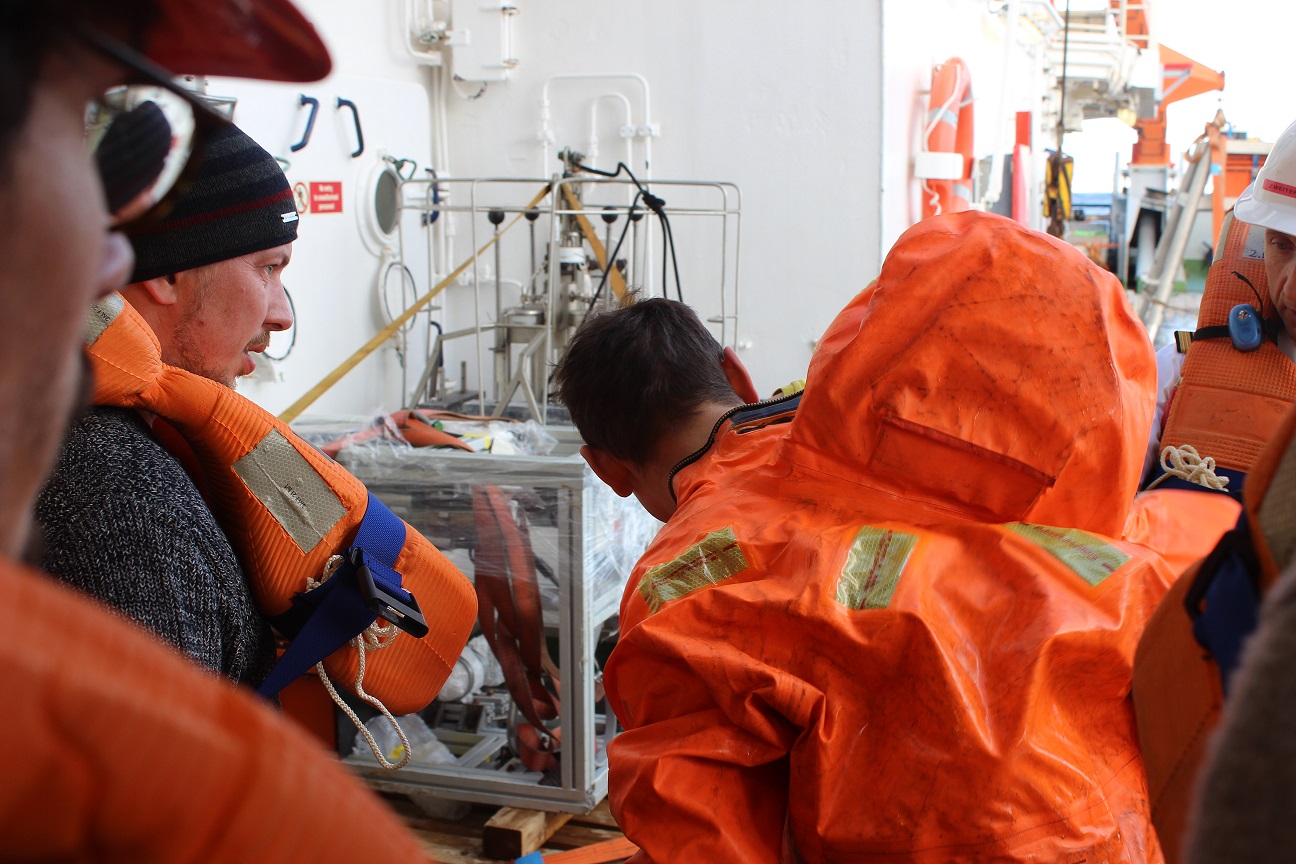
1229 402
287 509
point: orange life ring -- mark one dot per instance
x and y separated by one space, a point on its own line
947 186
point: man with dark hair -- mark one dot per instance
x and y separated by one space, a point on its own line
114 748
640 415
121 518
887 618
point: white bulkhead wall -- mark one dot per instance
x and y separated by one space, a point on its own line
812 109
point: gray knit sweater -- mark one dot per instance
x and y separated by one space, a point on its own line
123 522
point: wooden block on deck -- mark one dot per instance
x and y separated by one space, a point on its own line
512 833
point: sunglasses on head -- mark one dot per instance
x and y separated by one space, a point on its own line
147 137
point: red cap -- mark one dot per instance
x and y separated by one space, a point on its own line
266 39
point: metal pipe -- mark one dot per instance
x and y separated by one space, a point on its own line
629 123
1162 278
644 131
995 184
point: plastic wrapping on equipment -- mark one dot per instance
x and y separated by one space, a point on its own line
575 519
424 747
427 752
475 669
381 434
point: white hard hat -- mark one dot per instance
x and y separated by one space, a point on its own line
1271 200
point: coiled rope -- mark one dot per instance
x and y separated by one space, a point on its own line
1187 464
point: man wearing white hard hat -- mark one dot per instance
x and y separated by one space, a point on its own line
1261 225
1271 202
1242 805
114 747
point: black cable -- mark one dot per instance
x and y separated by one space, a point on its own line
664 271
611 259
439 361
658 206
670 235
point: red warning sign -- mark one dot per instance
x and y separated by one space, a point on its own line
326 197
301 197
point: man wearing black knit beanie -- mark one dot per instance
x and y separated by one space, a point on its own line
121 518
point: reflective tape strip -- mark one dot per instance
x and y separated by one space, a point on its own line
717 557
873 567
291 489
102 314
1091 558
942 115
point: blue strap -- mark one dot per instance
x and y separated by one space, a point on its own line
1231 614
1223 600
324 620
380 540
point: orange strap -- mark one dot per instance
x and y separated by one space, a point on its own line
508 602
408 424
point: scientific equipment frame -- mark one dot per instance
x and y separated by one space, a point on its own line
528 337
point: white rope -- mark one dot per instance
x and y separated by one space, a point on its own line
373 638
1187 464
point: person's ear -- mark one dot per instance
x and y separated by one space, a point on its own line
612 470
739 378
161 290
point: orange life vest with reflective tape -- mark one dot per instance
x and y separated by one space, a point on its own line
1229 402
287 509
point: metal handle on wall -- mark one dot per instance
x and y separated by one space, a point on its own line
355 115
310 122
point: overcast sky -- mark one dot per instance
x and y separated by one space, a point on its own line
1252 41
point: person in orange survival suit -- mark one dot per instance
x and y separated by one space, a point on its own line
896 627
114 748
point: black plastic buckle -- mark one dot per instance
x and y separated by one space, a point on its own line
404 614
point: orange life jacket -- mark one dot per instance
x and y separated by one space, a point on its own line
287 509
898 628
1228 405
1223 406
1192 643
1229 402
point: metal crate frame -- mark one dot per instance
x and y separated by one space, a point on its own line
583 766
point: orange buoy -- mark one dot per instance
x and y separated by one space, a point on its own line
944 164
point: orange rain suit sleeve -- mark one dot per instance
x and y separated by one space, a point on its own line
705 764
1180 525
116 749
